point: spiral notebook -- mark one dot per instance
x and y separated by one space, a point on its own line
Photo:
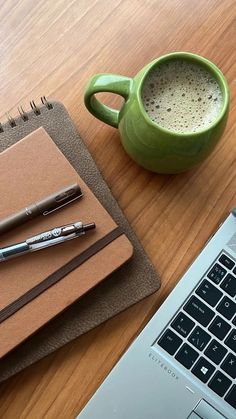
36 286
131 283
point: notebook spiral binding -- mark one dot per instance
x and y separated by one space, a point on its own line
24 115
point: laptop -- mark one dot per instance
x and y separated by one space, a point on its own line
183 364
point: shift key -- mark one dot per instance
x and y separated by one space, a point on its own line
199 311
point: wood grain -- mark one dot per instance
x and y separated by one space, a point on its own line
52 48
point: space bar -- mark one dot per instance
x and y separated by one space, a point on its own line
206 411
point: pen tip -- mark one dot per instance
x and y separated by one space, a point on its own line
89 226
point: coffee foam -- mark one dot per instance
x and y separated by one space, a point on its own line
182 97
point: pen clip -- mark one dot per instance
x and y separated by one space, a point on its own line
56 236
63 205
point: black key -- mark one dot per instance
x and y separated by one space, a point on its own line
231 340
186 356
217 273
199 311
199 338
220 383
231 396
234 270
219 327
170 342
229 365
226 261
209 293
227 308
234 320
229 285
183 324
203 369
215 351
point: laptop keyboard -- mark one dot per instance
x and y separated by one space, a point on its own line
202 335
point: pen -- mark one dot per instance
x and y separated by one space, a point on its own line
46 239
44 207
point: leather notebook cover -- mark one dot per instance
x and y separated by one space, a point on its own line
29 171
135 280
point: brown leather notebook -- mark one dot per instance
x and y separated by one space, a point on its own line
135 280
29 171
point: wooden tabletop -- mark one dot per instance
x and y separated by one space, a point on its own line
51 48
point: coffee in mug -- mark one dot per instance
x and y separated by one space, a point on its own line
182 97
174 113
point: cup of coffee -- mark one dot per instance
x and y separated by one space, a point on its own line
174 112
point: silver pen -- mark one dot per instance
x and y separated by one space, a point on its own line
46 239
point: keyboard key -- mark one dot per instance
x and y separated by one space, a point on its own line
199 338
229 365
220 383
170 342
217 273
219 327
209 293
215 351
199 311
186 356
226 261
203 369
234 321
183 324
231 340
227 308
229 285
231 397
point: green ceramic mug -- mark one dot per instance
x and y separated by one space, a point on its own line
156 148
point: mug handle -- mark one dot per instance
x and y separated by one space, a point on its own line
103 82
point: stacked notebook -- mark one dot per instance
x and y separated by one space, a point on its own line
56 157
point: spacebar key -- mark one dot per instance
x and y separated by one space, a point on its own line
199 311
206 411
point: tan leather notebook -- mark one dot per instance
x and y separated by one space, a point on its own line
134 281
30 170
